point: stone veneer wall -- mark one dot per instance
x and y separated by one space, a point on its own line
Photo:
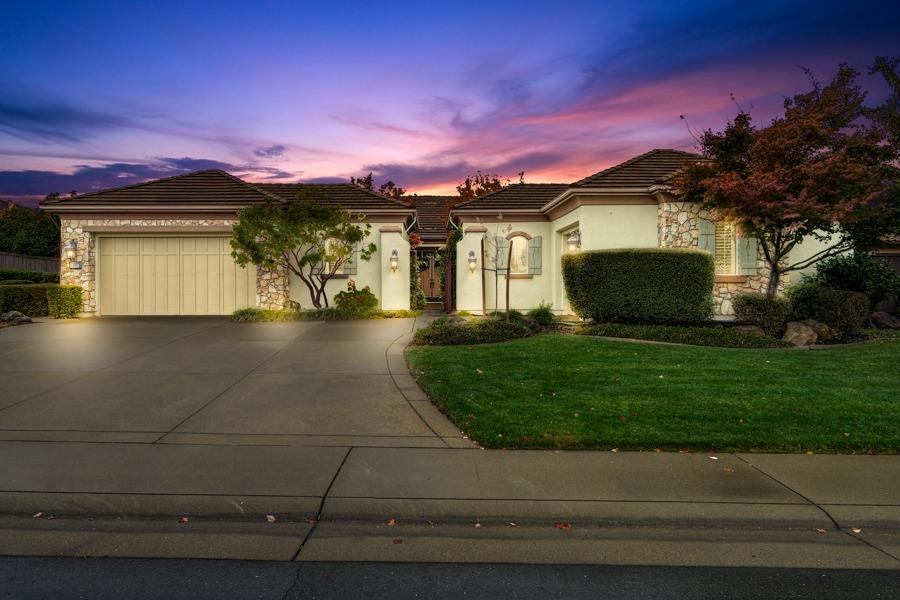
679 227
271 288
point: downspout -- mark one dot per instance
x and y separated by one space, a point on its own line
483 292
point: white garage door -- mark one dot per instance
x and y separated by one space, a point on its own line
171 275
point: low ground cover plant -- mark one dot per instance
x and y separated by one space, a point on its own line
449 331
717 335
264 315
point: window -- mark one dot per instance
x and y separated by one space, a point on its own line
518 260
725 254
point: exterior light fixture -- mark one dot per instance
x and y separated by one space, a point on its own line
70 251
574 241
395 260
473 262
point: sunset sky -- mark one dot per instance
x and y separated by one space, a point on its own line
96 95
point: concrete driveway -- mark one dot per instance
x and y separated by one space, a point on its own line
210 381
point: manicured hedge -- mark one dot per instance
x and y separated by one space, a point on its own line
36 300
34 276
30 299
63 301
758 309
653 285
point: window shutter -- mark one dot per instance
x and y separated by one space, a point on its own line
746 256
534 255
352 262
502 254
707 236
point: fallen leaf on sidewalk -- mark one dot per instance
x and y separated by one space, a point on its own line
820 530
511 524
477 524
183 520
270 518
713 458
37 515
728 469
563 526
430 523
391 522
614 450
856 530
397 541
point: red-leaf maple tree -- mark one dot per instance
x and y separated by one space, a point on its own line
826 168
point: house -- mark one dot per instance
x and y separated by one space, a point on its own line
629 205
162 247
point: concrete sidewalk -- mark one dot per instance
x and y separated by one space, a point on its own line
454 505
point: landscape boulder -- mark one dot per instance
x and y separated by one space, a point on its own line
799 334
824 333
883 320
11 316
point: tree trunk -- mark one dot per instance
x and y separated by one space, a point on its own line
774 278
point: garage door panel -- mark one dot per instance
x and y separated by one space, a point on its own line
171 275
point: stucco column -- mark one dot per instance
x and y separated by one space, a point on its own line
394 282
469 284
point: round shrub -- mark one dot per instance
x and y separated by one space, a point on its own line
758 309
354 302
843 311
653 285
542 316
857 272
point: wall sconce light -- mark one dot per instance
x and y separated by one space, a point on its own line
473 262
395 260
574 241
70 251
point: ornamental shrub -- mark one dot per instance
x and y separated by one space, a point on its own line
857 272
32 276
542 316
354 302
63 301
843 311
758 309
653 285
29 299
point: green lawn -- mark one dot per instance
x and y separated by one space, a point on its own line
563 391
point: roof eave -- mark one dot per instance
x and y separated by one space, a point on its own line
595 191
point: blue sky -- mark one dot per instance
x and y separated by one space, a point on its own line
104 94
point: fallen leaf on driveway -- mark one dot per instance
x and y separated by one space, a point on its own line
820 530
270 518
477 524
563 526
183 520
397 541
856 530
713 458
728 470
37 515
511 524
391 522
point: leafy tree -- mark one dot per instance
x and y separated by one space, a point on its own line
821 170
481 183
388 188
308 237
28 231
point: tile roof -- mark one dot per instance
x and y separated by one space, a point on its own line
432 215
200 187
347 195
641 171
524 196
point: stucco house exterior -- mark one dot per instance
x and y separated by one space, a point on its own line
162 247
629 205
